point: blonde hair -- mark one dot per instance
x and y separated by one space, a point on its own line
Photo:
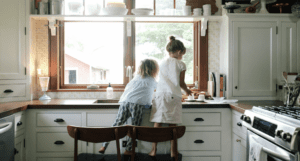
175 45
148 67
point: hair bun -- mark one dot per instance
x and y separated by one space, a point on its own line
172 38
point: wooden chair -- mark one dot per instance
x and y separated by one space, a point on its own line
155 134
96 135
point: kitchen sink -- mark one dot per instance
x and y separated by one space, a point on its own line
106 101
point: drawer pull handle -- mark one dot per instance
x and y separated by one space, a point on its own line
198 141
59 142
239 124
199 119
19 123
238 140
59 120
8 91
16 151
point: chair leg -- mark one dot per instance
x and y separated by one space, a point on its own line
118 144
133 144
75 144
175 143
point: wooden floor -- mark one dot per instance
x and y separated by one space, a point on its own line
113 157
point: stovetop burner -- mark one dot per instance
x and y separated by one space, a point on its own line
292 112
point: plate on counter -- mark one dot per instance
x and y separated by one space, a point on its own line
189 100
231 101
214 101
199 100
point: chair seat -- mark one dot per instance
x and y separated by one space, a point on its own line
113 157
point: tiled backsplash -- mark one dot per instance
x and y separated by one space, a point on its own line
39 60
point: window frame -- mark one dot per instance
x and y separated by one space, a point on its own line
56 60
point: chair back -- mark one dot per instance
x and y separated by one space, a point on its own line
97 135
157 134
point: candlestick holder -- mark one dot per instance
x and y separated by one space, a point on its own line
44 82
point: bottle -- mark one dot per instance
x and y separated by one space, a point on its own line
109 92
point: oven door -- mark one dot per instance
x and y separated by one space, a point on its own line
274 152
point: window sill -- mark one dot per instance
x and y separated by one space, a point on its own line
85 90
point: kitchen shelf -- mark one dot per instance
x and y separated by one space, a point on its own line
136 18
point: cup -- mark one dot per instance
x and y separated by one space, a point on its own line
201 97
206 10
187 10
191 97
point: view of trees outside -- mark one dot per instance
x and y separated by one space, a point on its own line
152 39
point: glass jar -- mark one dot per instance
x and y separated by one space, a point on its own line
74 7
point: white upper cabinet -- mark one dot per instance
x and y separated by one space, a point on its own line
289 47
12 39
254 48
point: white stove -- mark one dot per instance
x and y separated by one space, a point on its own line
278 127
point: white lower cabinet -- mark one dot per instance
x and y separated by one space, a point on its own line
20 136
239 137
207 137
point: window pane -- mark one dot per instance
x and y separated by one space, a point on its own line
152 39
144 4
91 47
180 4
162 6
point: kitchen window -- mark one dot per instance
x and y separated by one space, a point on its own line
100 51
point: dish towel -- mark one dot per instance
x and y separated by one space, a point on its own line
256 152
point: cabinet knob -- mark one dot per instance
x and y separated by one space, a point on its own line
59 142
239 124
198 141
59 120
19 123
16 151
8 91
199 119
235 87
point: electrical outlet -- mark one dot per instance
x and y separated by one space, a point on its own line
124 143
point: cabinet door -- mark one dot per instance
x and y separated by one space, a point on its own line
12 39
19 148
254 58
239 152
289 46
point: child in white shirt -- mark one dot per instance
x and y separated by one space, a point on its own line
166 106
137 96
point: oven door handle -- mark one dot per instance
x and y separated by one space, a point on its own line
279 156
5 127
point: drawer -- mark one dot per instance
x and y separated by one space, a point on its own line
55 159
49 142
18 90
101 120
201 158
19 121
201 119
203 141
58 119
238 140
235 121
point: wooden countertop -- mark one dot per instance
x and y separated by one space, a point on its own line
13 107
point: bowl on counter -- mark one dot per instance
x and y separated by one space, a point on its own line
218 98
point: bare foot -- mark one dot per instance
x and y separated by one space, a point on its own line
152 153
102 150
127 152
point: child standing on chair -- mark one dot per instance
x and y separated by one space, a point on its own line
137 96
166 106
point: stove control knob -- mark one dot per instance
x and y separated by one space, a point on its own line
278 133
242 117
247 119
286 137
